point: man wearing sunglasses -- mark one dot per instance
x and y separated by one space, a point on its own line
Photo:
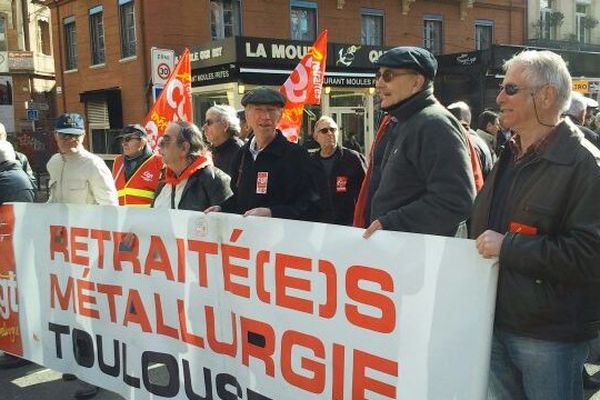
136 172
76 175
419 177
344 168
538 215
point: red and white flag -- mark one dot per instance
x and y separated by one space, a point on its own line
174 102
304 86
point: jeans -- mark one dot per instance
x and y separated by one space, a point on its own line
533 369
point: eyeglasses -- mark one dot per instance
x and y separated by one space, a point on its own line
330 129
388 75
164 141
209 122
511 89
67 136
128 139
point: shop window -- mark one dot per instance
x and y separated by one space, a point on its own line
432 33
484 32
127 28
97 36
2 32
303 20
43 37
70 43
225 18
371 23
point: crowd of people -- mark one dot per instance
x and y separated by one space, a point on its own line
523 183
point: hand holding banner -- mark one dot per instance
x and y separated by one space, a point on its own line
304 86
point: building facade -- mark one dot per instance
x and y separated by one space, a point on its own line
27 77
104 67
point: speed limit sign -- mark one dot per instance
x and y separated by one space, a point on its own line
163 61
163 71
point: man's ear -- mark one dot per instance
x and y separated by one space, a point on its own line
419 83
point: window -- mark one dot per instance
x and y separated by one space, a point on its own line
547 28
97 36
127 26
70 43
581 14
2 32
225 18
371 25
484 34
43 37
432 33
303 20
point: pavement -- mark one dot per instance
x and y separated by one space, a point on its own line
32 382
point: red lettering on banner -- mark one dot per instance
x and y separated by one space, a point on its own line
337 366
361 382
262 257
65 298
229 349
283 282
84 299
76 233
203 249
265 350
111 291
161 327
185 335
314 384
101 237
58 242
128 253
356 274
135 312
158 258
230 269
181 266
328 309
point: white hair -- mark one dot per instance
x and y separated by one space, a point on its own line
463 112
7 152
227 114
2 131
544 67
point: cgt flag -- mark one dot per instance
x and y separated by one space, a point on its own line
303 87
174 102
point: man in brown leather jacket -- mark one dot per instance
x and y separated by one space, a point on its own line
538 214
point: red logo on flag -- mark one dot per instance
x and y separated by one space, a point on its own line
303 86
174 102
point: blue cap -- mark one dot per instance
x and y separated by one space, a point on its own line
415 58
70 124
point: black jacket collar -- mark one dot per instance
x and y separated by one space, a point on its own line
407 108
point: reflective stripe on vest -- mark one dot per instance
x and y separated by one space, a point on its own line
139 190
147 194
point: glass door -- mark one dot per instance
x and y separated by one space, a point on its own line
351 122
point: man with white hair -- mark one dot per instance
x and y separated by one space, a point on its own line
21 158
538 215
222 128
577 112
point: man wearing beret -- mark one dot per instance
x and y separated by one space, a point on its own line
271 177
419 177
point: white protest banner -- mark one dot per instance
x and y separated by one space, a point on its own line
176 304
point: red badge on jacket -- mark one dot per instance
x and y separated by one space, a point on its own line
341 184
262 180
522 229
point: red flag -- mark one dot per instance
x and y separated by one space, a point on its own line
174 102
304 86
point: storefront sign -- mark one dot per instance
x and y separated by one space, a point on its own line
20 60
216 53
332 80
214 75
580 85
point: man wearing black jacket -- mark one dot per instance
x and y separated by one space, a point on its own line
344 169
271 177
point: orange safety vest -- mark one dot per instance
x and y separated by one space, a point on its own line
138 191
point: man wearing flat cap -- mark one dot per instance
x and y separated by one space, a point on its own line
419 177
76 175
136 172
271 177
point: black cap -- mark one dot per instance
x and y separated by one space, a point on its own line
133 128
409 57
263 95
70 124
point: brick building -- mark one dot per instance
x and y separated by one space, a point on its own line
103 49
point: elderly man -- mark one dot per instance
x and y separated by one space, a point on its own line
419 177
344 168
191 181
538 214
271 177
222 128
76 175
577 112
136 172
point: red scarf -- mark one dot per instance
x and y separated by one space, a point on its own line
475 163
361 203
198 164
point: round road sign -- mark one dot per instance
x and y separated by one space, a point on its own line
163 71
